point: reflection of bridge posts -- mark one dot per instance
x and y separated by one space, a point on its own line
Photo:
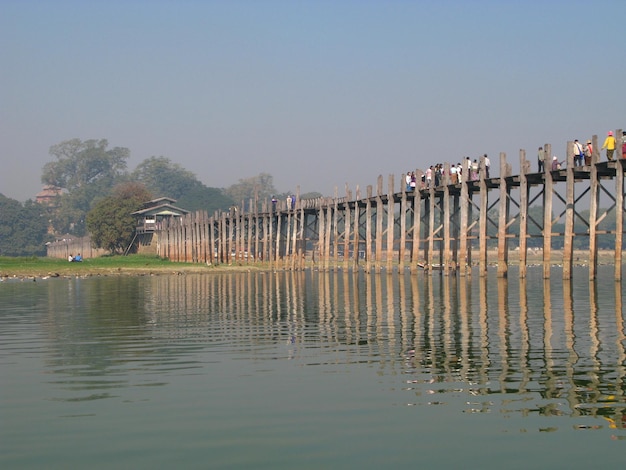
570 363
595 344
524 336
503 329
551 385
620 340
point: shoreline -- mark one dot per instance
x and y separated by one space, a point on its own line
46 268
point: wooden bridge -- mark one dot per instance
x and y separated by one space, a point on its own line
447 228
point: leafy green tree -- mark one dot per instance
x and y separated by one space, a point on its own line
165 178
23 228
111 223
203 198
311 195
261 185
87 171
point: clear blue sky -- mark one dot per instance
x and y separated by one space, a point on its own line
315 93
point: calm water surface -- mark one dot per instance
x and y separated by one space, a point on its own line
314 370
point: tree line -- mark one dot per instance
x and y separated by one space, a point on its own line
97 193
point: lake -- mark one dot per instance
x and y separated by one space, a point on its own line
313 370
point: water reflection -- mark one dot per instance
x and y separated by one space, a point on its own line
520 347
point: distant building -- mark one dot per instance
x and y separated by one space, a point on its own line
148 222
48 195
154 212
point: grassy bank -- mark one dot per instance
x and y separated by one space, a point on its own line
107 265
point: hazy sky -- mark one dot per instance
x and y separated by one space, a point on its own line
315 93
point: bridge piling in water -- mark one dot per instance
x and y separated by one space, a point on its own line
430 227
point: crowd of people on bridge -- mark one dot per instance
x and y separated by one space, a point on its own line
469 169
583 153
459 172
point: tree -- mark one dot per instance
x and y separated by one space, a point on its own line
87 171
110 222
23 228
205 198
261 185
165 178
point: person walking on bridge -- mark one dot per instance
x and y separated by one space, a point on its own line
609 145
578 153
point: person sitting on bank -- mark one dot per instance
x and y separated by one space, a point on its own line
70 258
78 258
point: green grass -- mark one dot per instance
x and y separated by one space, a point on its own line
105 265
28 266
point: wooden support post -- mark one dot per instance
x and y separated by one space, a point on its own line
347 230
619 207
455 224
321 236
503 220
464 209
547 213
380 212
390 223
431 228
482 220
330 232
594 202
334 233
523 214
445 249
403 214
357 230
270 234
368 230
417 224
568 248
279 228
287 222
